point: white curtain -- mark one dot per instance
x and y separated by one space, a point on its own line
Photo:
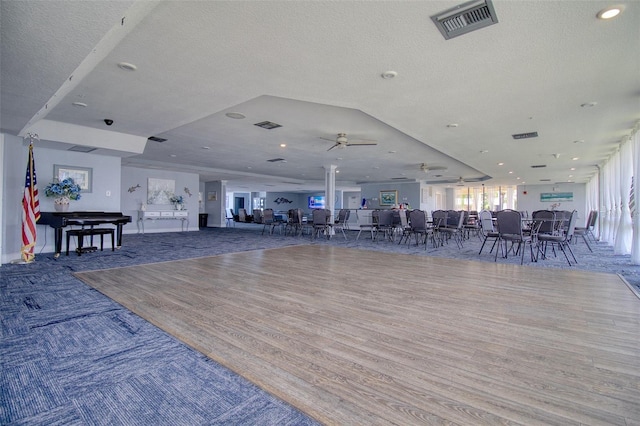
635 155
615 192
607 202
623 230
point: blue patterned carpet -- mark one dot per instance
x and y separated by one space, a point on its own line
69 355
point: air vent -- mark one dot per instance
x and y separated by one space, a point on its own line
525 135
399 178
538 166
545 180
269 125
465 18
156 139
277 160
79 148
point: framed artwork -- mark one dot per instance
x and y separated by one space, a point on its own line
159 191
388 198
212 196
82 176
556 196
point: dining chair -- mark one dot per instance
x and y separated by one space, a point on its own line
385 224
562 240
405 228
321 223
587 230
487 230
509 223
269 221
342 221
454 229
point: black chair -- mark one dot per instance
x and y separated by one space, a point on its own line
560 240
321 223
418 228
587 230
385 224
454 228
341 222
509 224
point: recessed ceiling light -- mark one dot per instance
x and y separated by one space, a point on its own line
283 145
579 141
235 115
452 125
339 158
206 147
510 172
389 75
572 169
392 152
173 156
127 66
589 104
337 171
500 164
484 151
79 104
610 12
575 158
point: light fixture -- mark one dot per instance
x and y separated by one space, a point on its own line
79 104
283 145
610 12
206 147
589 104
387 75
452 125
575 158
235 115
500 164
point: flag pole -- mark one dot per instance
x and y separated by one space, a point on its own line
30 207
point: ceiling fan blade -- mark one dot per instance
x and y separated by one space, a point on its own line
327 139
337 144
354 143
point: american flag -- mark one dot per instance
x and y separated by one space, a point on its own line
30 210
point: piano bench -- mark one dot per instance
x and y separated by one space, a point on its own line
81 233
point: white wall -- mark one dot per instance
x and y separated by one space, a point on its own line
529 198
132 201
408 192
106 177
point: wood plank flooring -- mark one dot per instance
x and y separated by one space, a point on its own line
355 337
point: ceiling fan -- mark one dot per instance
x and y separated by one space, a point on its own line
341 141
458 181
431 168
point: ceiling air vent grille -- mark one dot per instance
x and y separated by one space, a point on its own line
156 139
465 18
277 160
538 166
269 125
525 135
78 148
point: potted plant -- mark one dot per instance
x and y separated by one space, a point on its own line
63 191
177 201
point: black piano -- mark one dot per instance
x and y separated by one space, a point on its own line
59 220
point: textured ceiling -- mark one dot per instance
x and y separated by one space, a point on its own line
315 68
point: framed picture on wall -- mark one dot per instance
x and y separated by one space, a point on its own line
160 191
82 176
389 198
